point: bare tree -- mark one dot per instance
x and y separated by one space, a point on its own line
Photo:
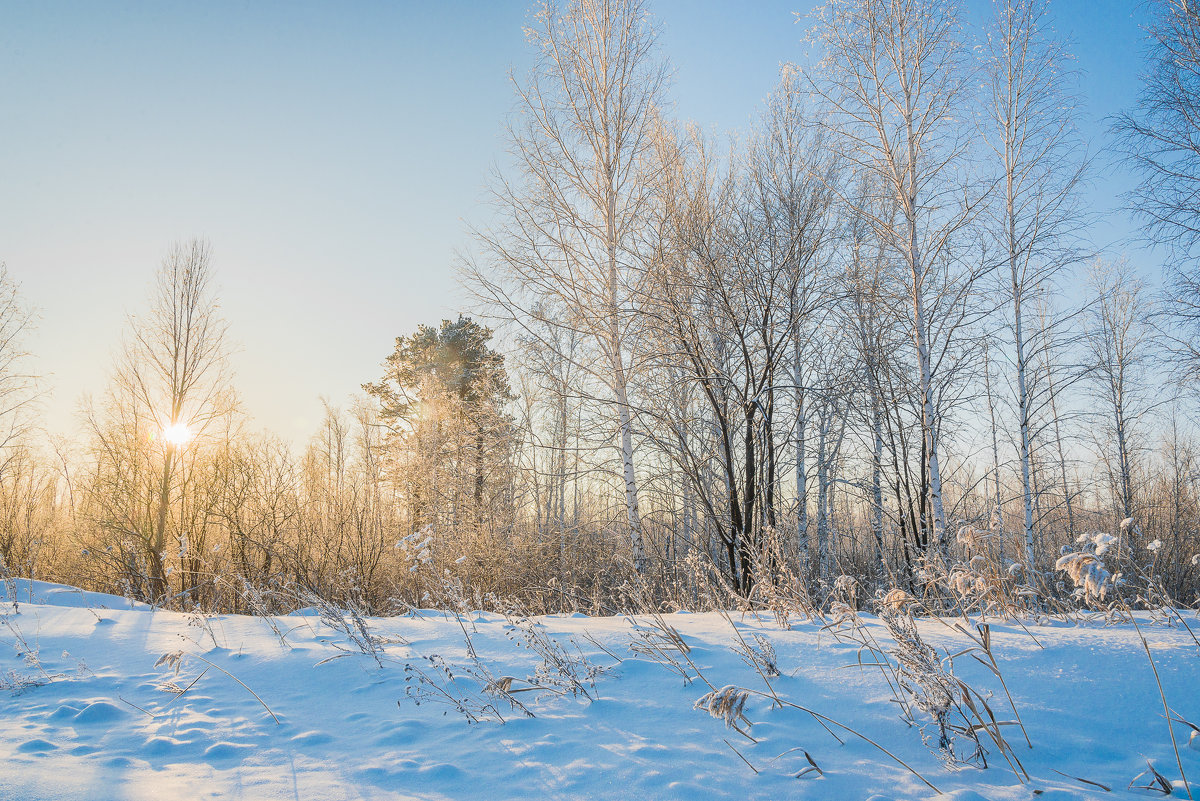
171 389
830 419
1161 137
872 322
18 386
1118 342
572 223
1032 138
793 159
1053 372
550 404
27 488
737 275
893 78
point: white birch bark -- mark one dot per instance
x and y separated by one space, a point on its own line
801 454
893 80
1034 142
566 251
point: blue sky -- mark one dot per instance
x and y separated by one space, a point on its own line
334 155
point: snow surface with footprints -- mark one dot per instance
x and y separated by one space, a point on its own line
89 717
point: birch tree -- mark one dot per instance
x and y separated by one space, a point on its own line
18 386
1118 343
1162 134
871 324
1053 387
830 423
893 78
1032 139
795 162
1161 137
572 218
738 246
29 486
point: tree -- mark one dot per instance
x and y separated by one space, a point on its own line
552 422
1161 137
573 221
893 80
26 488
797 173
739 255
170 392
872 328
1118 339
18 386
258 509
442 397
1032 138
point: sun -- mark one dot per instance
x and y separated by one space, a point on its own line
177 434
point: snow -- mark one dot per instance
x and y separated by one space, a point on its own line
100 726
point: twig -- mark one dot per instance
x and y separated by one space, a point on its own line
739 753
179 694
135 706
1103 787
856 733
239 681
1166 709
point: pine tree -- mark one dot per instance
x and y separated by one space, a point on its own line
443 397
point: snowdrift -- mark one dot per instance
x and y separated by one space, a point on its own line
104 698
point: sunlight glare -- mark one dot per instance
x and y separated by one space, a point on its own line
177 434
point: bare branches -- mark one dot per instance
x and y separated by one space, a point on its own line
894 79
171 385
1162 136
568 252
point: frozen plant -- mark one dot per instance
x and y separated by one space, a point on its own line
971 537
727 704
840 615
921 673
760 655
559 670
845 586
966 582
1100 541
18 683
935 690
196 617
15 683
416 548
175 661
465 688
260 602
350 620
10 585
1092 580
661 642
896 600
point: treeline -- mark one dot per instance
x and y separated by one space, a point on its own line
865 347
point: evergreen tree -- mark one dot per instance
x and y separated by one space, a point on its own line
443 398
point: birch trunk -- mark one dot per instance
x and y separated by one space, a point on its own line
801 467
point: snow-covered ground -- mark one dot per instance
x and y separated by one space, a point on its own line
87 713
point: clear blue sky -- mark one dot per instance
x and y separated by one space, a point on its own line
333 154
